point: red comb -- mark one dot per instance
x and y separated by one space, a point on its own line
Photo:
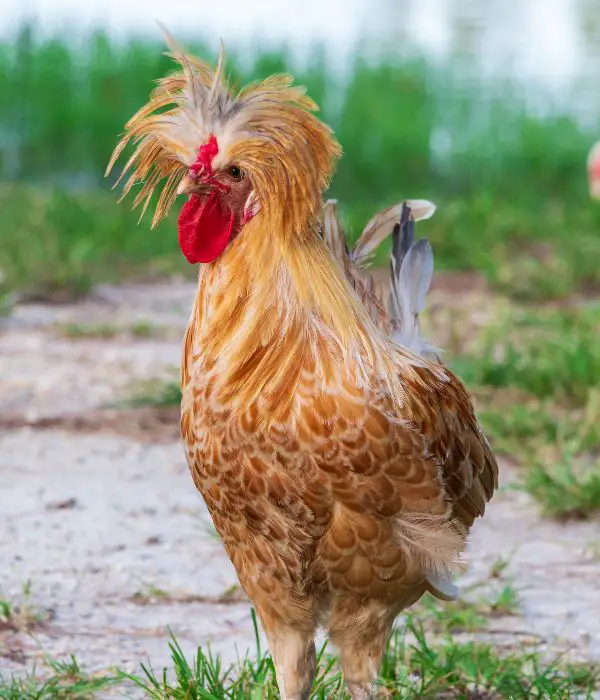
206 153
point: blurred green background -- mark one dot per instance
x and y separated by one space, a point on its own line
504 161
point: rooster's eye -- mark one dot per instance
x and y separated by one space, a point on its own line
235 172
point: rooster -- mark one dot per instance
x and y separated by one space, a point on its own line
341 462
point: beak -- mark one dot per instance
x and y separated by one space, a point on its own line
190 184
187 184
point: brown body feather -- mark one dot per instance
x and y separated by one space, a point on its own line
339 468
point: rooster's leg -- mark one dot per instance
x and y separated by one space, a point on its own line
360 633
295 661
292 648
360 664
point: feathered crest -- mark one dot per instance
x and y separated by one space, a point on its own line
267 128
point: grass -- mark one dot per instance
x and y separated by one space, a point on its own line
63 241
567 489
414 666
141 330
388 117
55 241
521 425
425 658
154 393
21 614
544 352
448 670
61 680
468 615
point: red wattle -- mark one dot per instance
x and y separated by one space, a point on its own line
204 228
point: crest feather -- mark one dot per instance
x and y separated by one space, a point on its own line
268 129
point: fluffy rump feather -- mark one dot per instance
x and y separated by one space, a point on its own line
431 543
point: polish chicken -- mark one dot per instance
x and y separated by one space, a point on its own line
341 462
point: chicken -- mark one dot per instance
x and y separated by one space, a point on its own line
593 171
341 469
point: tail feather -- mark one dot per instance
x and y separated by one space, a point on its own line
411 267
411 275
380 226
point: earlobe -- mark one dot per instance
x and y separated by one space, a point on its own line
251 208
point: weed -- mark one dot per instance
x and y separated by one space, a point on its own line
413 667
567 489
155 393
60 680
547 353
107 331
21 614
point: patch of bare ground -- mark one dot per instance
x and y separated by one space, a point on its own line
153 424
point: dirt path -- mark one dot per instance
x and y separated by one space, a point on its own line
98 512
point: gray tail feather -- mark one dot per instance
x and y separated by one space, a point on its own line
411 273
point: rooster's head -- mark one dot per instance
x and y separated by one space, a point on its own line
257 152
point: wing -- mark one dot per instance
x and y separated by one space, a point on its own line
406 486
469 470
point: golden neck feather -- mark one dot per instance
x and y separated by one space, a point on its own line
270 309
